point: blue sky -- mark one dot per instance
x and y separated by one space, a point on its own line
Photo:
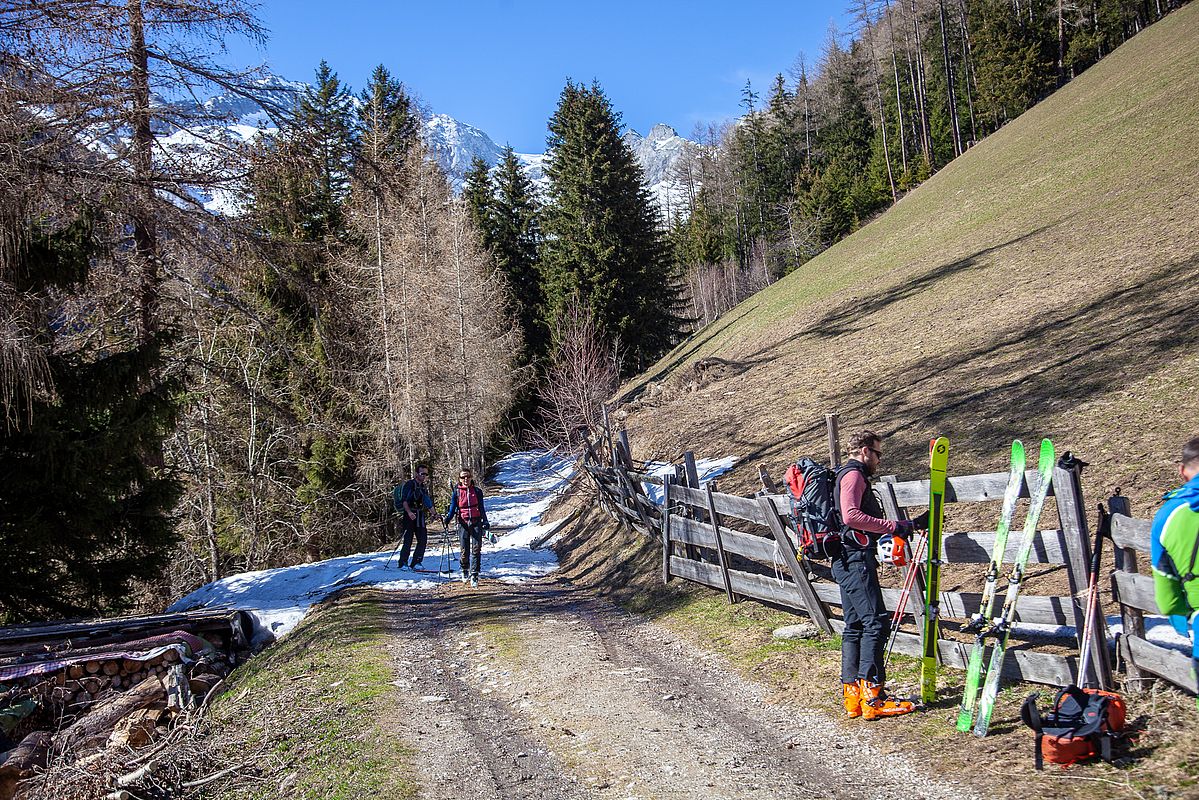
501 64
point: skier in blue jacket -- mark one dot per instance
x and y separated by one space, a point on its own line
1175 545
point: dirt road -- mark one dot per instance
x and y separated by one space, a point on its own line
541 691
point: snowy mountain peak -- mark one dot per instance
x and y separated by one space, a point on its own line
452 143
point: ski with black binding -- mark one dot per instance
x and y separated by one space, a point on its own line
979 621
1003 625
938 466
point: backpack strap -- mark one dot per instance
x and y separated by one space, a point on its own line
1190 576
1030 715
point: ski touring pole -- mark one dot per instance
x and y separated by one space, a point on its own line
1003 626
938 467
979 621
909 582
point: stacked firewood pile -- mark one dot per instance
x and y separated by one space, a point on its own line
67 701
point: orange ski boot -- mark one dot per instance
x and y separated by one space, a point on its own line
853 700
876 704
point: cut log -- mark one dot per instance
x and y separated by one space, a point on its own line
131 666
22 760
91 667
111 668
137 729
171 657
75 672
201 685
92 730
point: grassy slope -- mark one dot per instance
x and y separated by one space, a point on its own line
313 709
1041 284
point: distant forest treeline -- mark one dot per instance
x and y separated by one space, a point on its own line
832 143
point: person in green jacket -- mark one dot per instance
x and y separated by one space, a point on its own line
1175 551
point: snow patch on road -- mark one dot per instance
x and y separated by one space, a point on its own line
278 599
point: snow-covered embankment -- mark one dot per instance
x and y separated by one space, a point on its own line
279 598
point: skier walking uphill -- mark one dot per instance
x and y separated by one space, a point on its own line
855 569
1175 551
413 502
466 505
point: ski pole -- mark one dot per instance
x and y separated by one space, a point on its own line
1088 631
905 592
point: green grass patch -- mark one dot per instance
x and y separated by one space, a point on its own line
318 702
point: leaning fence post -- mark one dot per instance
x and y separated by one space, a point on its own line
1067 490
724 563
798 576
1133 618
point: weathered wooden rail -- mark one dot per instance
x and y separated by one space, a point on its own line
698 544
1134 591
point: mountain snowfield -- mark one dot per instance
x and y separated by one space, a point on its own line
454 144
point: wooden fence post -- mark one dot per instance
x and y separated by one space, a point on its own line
667 480
810 598
1071 513
720 554
692 473
831 424
626 450
607 429
1132 617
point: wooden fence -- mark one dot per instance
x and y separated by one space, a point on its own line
757 558
1142 659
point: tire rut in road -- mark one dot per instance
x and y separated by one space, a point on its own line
560 694
468 744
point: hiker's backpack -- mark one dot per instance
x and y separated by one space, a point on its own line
1082 723
814 515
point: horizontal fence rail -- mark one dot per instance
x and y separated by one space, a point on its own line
691 524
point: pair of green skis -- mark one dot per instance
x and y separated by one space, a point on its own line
982 624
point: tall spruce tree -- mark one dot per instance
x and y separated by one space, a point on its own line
603 242
83 513
326 122
515 241
478 191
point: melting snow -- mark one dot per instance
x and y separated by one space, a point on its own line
279 598
707 468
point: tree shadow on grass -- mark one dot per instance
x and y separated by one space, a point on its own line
1032 369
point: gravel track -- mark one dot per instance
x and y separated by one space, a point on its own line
542 691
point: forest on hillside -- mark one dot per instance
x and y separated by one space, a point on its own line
829 144
188 395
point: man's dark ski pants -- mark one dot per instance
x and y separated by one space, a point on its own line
414 528
867 620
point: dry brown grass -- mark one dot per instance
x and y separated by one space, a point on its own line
1041 285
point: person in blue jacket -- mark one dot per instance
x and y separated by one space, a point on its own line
413 502
1175 551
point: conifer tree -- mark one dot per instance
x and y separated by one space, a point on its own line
515 239
478 192
603 244
83 513
325 120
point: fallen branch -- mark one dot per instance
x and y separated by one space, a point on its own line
216 776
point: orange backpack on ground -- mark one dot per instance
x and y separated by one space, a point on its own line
1081 724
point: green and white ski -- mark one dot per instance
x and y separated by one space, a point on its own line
1003 626
938 465
979 621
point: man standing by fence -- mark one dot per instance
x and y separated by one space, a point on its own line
466 505
1175 551
855 568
